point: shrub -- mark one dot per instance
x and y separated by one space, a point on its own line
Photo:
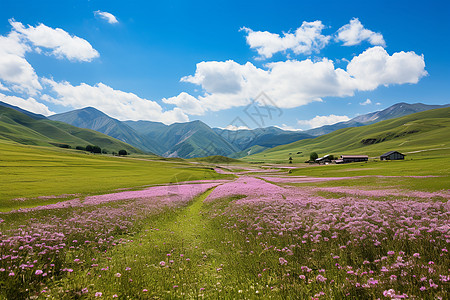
123 152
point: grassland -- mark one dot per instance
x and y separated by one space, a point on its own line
382 232
29 172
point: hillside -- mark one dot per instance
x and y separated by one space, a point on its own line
395 111
18 127
420 131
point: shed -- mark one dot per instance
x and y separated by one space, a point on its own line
353 158
392 155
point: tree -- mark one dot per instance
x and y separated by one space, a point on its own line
123 152
96 149
104 151
80 148
290 159
313 156
89 148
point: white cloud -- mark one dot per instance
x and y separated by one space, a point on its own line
378 103
187 103
115 103
14 68
367 102
354 33
294 83
235 128
319 121
375 67
306 39
60 43
29 104
110 18
290 84
19 74
288 128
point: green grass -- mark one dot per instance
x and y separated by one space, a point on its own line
216 249
420 131
31 171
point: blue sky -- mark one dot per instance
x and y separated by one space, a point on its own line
174 61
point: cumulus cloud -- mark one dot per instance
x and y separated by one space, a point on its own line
367 102
294 83
288 128
375 67
60 43
319 121
115 103
108 17
14 68
235 128
306 39
290 83
187 103
29 104
354 33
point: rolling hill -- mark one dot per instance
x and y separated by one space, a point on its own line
397 110
24 129
419 131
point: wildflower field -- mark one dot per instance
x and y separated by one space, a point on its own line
242 232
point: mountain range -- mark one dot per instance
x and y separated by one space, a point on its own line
196 139
186 140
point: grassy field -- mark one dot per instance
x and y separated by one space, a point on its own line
379 233
29 172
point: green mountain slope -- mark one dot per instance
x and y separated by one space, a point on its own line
420 131
91 118
194 139
268 137
395 111
18 127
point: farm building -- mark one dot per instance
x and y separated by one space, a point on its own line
323 160
392 155
351 158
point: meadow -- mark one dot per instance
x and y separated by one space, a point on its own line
151 229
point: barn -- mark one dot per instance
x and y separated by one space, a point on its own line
392 155
352 158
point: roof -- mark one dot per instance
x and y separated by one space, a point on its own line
323 157
354 156
391 152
